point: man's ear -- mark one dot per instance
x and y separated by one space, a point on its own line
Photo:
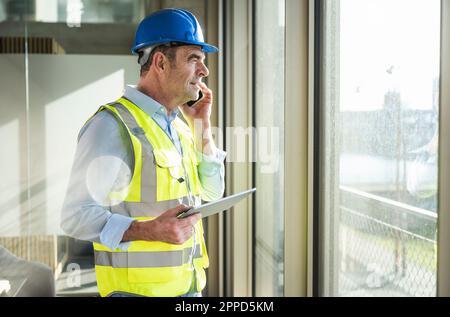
159 61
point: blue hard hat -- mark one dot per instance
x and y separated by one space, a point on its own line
170 25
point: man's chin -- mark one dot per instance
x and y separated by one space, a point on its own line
193 96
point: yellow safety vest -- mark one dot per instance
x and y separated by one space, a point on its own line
161 178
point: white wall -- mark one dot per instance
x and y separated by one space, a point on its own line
64 91
12 140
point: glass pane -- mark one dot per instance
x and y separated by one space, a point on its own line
60 60
269 115
15 244
379 147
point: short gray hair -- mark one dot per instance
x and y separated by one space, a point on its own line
146 54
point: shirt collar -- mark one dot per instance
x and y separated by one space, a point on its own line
148 104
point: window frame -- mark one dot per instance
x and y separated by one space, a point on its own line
237 224
443 264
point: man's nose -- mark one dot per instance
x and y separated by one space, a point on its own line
203 71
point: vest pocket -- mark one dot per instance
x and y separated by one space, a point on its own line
170 178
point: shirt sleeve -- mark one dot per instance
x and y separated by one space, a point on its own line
101 165
211 171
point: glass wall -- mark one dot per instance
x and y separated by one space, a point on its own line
269 52
60 60
379 137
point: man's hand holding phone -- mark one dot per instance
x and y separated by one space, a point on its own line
192 102
197 117
201 108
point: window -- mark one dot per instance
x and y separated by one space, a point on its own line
379 137
269 117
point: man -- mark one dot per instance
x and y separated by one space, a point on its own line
138 166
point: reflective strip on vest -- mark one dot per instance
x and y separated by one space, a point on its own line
145 259
143 209
147 167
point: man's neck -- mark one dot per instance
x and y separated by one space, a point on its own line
156 92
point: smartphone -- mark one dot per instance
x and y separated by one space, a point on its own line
200 96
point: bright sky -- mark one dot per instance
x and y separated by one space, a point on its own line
378 36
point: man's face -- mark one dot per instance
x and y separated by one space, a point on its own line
186 72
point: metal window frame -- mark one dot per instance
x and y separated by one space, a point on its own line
214 236
237 223
312 271
297 156
443 258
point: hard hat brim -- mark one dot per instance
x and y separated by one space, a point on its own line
207 48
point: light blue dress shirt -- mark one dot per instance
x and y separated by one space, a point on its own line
103 160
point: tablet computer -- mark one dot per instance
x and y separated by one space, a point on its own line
216 206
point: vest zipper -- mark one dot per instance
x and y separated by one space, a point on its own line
194 246
192 200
